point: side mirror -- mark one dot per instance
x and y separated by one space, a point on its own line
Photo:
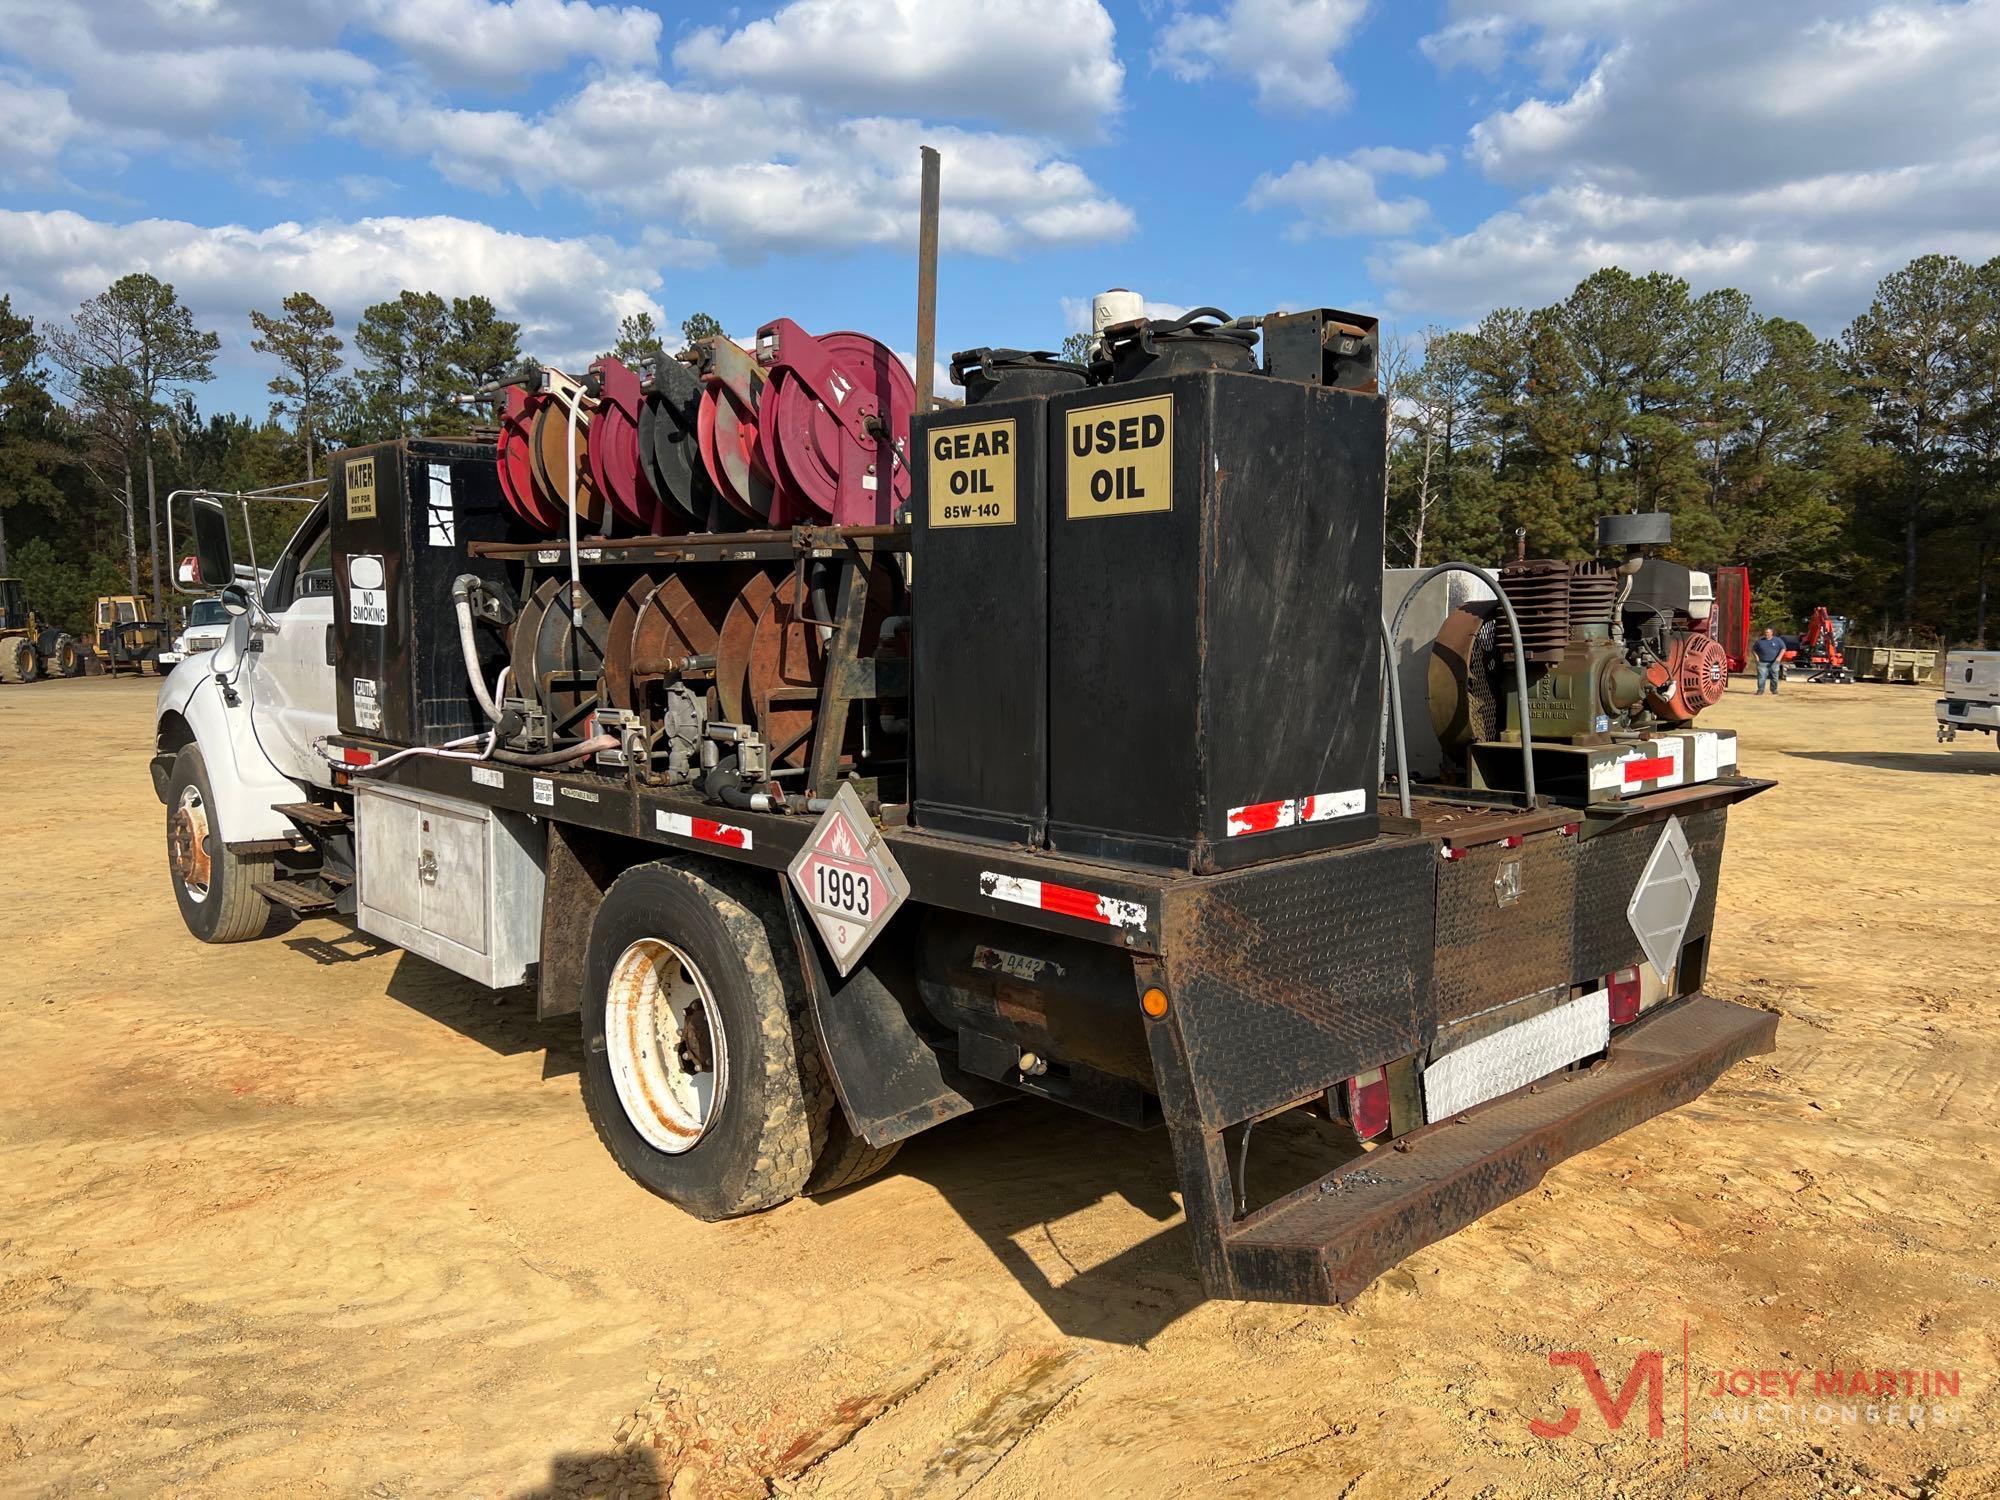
214 561
235 599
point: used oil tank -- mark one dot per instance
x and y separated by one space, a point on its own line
979 626
1215 575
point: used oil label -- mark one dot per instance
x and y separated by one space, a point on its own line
1121 458
972 474
360 489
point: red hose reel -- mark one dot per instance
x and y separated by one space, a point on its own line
807 430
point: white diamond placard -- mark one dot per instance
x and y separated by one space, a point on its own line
1663 902
848 879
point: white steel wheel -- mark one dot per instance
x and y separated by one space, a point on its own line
188 846
664 1040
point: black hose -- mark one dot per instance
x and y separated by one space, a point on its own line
562 757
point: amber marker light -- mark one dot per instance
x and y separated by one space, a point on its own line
1154 1002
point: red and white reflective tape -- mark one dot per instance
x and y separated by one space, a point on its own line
1265 817
1066 900
1648 767
707 830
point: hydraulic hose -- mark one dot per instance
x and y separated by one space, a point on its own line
562 757
1396 717
461 601
1520 654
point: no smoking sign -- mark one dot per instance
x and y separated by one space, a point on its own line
848 879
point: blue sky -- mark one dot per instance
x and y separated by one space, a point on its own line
1424 160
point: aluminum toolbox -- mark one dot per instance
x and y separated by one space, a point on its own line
454 881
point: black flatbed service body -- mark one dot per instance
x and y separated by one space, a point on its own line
1285 978
1095 768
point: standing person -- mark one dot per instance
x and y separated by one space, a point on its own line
1769 651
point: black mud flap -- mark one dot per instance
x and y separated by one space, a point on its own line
162 767
891 1081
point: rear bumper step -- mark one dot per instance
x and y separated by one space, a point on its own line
1327 1242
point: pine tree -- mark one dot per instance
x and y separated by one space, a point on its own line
484 346
138 326
308 354
1908 355
638 343
30 449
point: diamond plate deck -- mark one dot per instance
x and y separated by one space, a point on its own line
1289 978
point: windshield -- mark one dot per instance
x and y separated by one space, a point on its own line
207 612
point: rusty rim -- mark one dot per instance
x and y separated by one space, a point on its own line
618 642
569 658
732 649
188 846
683 617
521 644
551 439
787 661
664 1040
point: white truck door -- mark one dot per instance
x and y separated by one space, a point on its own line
288 676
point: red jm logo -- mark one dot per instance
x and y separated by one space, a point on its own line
1646 1371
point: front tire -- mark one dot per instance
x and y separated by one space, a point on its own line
214 888
18 662
701 1071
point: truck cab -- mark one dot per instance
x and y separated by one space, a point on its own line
239 732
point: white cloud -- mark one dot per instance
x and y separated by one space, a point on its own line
1478 42
1339 196
760 174
1811 249
189 75
568 294
149 74
1043 64
1285 47
37 124
494 41
1799 157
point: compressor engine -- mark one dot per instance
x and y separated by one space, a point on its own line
1611 648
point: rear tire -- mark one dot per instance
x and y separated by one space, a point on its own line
67 661
701 1071
215 889
847 1159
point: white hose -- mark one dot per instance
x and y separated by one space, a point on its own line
575 577
450 749
469 647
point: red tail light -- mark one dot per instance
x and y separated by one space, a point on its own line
1368 1103
1624 990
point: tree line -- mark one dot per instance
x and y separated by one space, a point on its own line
99 423
1860 472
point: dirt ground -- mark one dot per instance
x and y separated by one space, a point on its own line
312 1217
